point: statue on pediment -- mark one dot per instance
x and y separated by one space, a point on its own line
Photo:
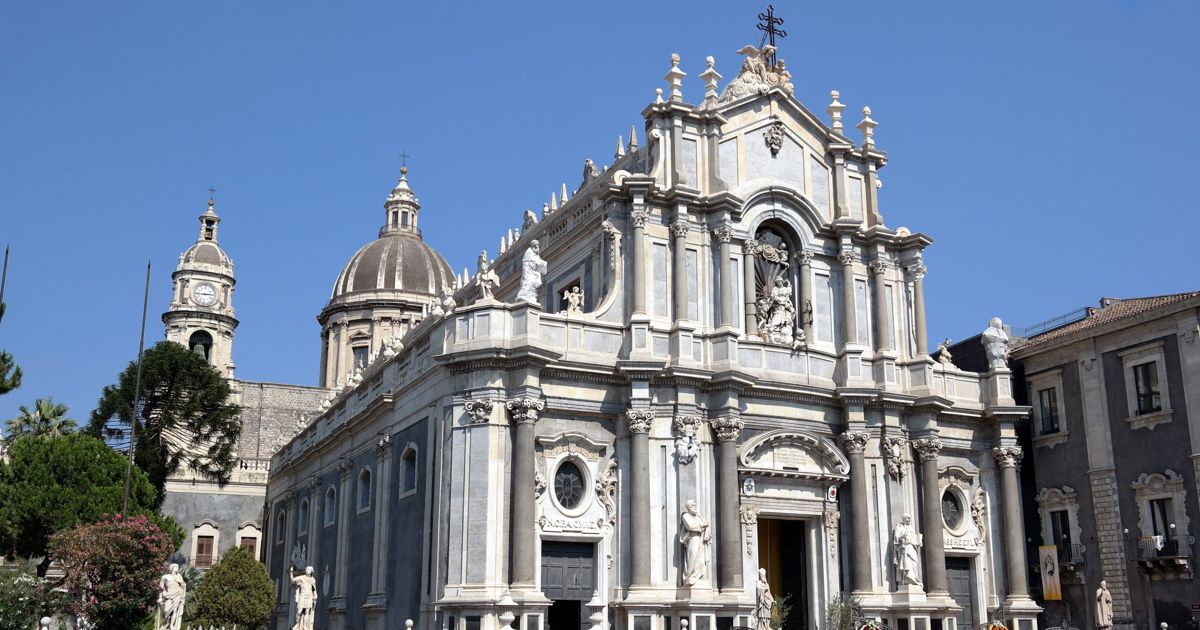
756 75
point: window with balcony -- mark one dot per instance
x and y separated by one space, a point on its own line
1058 509
1161 500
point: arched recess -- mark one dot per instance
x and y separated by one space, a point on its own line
797 454
784 204
782 227
201 343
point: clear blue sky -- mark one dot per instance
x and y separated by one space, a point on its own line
1050 148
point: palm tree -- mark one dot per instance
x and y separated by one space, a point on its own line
47 418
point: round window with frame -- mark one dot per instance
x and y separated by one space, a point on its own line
570 486
952 510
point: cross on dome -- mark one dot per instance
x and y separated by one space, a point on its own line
402 207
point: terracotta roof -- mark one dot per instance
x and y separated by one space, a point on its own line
1111 310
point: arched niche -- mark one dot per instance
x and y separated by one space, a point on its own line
795 454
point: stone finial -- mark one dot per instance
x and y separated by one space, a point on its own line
633 141
835 110
674 79
658 96
563 194
553 201
710 76
620 148
867 126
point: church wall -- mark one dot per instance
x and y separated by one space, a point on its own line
205 503
407 525
271 413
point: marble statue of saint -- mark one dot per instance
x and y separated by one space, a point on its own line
532 270
765 604
694 534
1104 617
486 276
776 313
905 552
574 300
305 598
995 343
171 596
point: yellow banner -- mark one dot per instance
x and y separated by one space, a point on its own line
1048 559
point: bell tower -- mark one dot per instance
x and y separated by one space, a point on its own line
200 316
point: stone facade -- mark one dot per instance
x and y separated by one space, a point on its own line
748 384
1116 438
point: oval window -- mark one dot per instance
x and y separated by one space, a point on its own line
568 485
951 510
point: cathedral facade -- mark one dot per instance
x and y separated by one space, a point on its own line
698 384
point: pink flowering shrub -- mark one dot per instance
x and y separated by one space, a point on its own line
112 569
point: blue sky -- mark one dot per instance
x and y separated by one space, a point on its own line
1048 147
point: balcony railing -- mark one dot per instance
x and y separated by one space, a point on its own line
1155 548
1069 554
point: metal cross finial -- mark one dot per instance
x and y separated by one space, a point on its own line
404 159
211 190
768 24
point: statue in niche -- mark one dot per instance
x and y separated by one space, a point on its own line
485 276
533 268
171 597
305 599
776 313
995 343
1104 611
765 605
694 534
574 300
906 545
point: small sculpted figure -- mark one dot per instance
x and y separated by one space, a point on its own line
171 596
694 534
533 268
306 597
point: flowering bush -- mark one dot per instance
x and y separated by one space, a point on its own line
24 598
112 569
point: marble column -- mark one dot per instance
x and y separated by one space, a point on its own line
524 415
381 501
922 334
314 521
805 309
638 219
883 313
931 515
725 269
750 286
727 431
343 533
639 499
849 313
289 539
679 232
855 445
1007 458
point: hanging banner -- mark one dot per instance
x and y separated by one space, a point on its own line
1048 559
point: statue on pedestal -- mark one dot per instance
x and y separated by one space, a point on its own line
532 270
776 313
905 552
305 597
1104 614
486 276
171 596
574 300
995 343
694 534
765 605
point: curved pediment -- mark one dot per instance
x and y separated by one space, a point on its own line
793 454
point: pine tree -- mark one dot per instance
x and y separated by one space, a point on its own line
10 372
237 590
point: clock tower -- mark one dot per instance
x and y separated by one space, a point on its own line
201 313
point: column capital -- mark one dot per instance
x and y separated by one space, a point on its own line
927 448
525 410
685 426
749 246
727 429
384 445
680 227
879 266
846 257
804 257
724 234
313 483
917 270
1008 456
480 410
344 467
639 420
855 442
638 217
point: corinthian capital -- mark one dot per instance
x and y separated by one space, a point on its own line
855 442
879 266
680 227
927 448
525 410
638 217
917 270
479 410
724 233
1008 456
727 429
846 257
639 420
804 257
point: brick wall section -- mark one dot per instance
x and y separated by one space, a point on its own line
271 413
1112 543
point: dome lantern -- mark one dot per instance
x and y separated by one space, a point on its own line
402 208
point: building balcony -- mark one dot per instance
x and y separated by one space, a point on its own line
1071 557
1166 558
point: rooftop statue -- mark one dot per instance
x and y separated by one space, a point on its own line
756 76
486 276
995 343
533 267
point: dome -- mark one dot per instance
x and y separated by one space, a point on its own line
398 262
206 253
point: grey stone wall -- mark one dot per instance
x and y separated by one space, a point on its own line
270 413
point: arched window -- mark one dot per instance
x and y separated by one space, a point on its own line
302 526
408 471
364 490
330 506
280 525
201 343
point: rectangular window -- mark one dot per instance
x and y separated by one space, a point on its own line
204 552
1060 529
249 543
1145 385
360 358
1161 517
1048 408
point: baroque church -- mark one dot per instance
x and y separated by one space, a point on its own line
698 382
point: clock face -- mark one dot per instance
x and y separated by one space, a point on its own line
204 294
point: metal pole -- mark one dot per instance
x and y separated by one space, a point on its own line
4 275
137 392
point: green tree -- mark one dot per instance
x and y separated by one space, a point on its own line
53 483
10 372
237 590
186 418
111 569
46 418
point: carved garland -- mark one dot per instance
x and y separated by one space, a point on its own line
894 450
749 517
773 136
606 491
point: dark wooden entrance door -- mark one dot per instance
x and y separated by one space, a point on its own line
568 579
958 575
783 552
